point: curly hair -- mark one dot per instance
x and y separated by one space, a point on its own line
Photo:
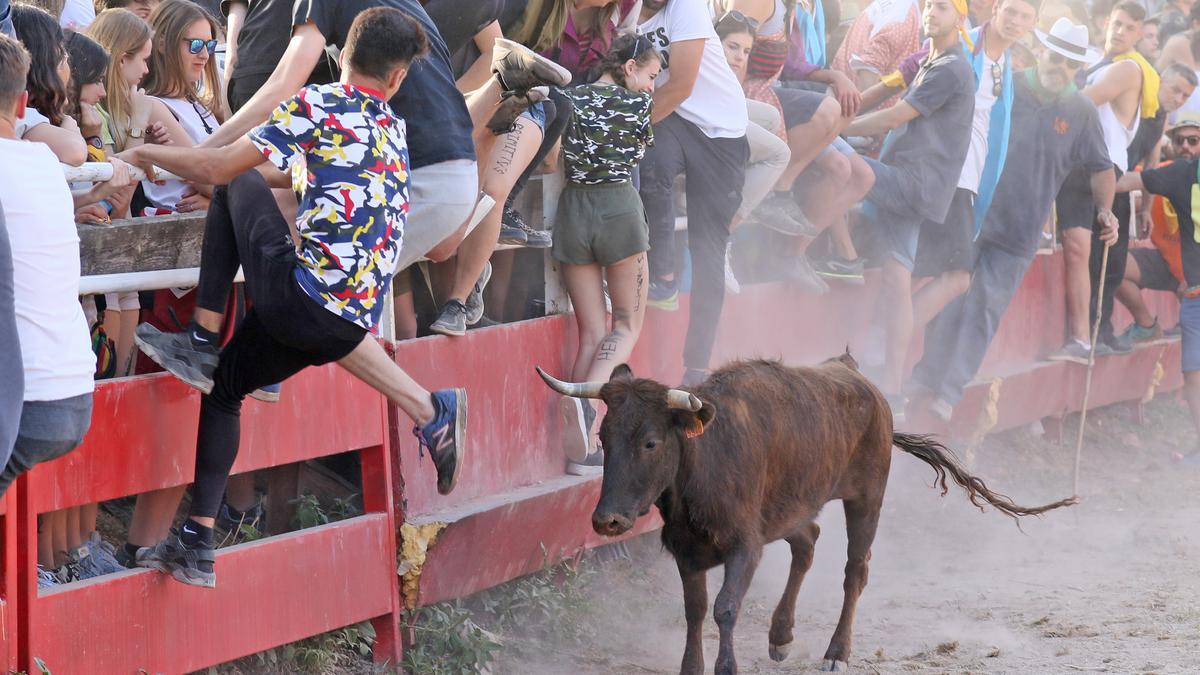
626 47
89 64
42 36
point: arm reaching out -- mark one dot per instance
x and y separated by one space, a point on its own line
876 123
210 166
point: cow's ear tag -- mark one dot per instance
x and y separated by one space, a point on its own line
695 427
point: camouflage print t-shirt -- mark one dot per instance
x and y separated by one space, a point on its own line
608 133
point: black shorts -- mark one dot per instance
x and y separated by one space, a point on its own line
948 246
799 105
1073 207
1155 272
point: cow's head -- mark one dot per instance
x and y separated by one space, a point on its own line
644 433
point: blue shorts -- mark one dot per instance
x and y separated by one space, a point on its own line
887 206
1189 320
536 113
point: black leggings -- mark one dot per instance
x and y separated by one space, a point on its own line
284 331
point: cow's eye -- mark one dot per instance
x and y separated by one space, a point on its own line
650 445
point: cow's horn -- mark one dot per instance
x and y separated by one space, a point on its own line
576 389
677 399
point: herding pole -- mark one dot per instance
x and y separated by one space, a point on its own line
1087 384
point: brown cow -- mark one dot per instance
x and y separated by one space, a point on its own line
748 457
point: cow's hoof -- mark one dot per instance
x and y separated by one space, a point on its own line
779 652
832 666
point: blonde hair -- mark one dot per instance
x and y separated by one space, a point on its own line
123 34
541 27
167 78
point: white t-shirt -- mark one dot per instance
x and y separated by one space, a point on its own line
77 14
31 119
717 104
56 347
985 100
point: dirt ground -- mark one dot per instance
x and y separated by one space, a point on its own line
1108 586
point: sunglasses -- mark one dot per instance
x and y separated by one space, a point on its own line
996 79
640 45
738 19
196 44
1190 141
1060 60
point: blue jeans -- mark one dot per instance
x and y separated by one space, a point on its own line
887 206
49 430
957 339
1189 320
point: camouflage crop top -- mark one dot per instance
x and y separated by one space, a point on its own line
608 133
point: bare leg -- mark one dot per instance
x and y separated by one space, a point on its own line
508 159
935 295
809 139
406 316
861 521
896 296
784 618
584 287
1077 247
87 520
628 286
58 537
739 570
73 539
371 364
153 515
1129 293
842 243
695 607
1191 390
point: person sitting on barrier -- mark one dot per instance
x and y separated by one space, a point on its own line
1159 268
55 347
45 120
314 305
1179 183
600 230
1055 131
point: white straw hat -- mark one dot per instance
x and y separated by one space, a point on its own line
1071 41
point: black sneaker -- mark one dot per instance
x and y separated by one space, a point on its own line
512 236
452 320
511 105
445 436
592 465
840 269
780 212
1113 345
185 563
513 220
520 68
797 270
185 355
663 295
474 303
1173 332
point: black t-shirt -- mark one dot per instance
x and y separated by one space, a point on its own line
439 126
1048 141
929 151
264 36
1177 182
1149 133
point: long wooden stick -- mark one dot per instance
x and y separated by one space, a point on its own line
1087 385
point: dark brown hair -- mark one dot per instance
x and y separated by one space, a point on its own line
626 46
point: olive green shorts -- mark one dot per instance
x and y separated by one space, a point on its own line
599 224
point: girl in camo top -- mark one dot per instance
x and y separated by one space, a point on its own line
601 226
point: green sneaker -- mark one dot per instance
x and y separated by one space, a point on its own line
1136 333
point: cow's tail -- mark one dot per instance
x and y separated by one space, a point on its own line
943 462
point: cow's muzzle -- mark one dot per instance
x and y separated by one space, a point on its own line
610 524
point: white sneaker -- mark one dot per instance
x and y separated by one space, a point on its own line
731 282
574 430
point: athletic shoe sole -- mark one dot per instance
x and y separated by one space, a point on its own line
1068 358
442 329
182 371
460 436
577 469
194 578
668 304
575 431
541 67
265 396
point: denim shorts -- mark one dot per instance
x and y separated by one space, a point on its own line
1189 320
887 206
537 114
48 430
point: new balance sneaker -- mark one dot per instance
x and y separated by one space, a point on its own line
445 436
840 269
186 355
780 212
103 554
192 565
520 68
267 393
452 320
731 282
1074 351
512 104
512 220
592 465
575 428
474 303
797 270
663 295
1136 333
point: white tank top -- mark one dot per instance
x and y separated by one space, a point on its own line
1117 136
199 123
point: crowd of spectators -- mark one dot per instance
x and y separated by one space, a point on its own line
943 142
